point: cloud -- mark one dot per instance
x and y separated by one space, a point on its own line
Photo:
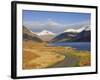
50 25
53 26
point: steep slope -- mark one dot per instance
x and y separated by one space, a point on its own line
66 36
28 35
84 36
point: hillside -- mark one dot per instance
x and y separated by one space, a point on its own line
84 36
66 36
28 35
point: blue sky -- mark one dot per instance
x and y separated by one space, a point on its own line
38 18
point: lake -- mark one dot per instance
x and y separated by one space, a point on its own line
76 45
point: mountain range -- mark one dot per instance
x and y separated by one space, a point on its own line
74 35
75 30
69 35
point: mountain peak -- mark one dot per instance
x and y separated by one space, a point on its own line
45 32
77 30
70 30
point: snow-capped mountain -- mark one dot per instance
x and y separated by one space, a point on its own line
77 30
45 32
80 35
70 30
80 29
46 35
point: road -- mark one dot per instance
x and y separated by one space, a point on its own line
69 61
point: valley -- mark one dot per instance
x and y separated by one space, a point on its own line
39 54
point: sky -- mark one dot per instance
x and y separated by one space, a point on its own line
53 21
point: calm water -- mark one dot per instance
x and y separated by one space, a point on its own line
77 45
